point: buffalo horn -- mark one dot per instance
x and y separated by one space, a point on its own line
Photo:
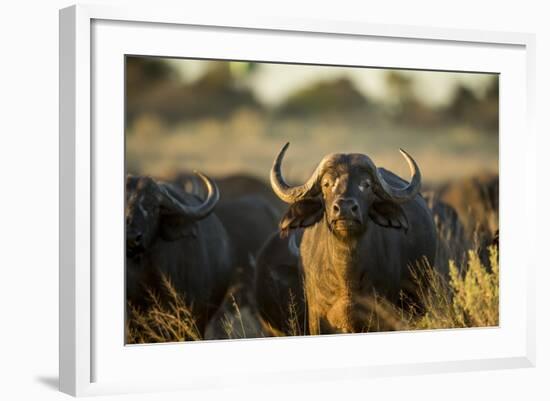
197 212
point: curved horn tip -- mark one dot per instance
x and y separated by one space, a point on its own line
285 192
409 158
204 176
284 148
207 179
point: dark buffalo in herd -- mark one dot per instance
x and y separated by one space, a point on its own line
475 200
351 232
249 221
202 247
172 233
279 286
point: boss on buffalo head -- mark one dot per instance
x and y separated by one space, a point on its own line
349 191
154 208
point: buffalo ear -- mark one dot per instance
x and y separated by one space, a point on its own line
303 213
173 227
388 214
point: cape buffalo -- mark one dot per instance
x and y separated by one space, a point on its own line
279 287
249 221
476 200
172 233
363 227
452 241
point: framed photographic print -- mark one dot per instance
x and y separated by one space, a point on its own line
293 198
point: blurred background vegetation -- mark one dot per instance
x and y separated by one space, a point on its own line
233 117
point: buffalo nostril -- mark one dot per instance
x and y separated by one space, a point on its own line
335 208
354 208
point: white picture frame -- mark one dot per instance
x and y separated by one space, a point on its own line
91 40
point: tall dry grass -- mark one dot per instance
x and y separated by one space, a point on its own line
169 319
469 298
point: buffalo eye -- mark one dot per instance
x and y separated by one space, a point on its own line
364 184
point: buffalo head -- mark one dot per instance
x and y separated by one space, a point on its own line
349 191
154 208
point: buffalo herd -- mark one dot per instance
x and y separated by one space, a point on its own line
302 258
